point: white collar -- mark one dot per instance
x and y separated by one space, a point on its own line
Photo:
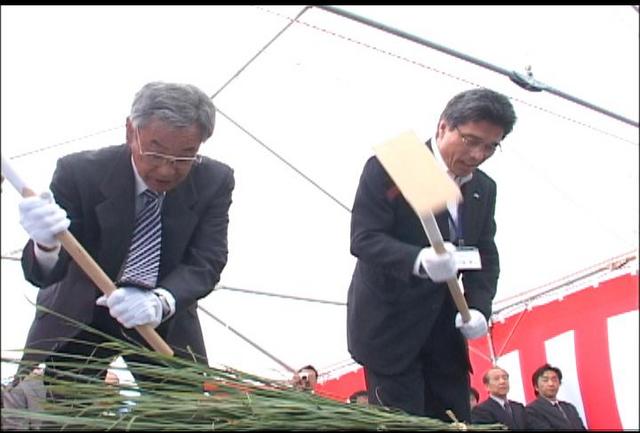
498 399
459 180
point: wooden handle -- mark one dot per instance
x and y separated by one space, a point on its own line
87 264
435 239
104 283
427 188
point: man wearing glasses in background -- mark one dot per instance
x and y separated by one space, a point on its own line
402 324
151 212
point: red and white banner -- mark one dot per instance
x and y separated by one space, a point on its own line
590 334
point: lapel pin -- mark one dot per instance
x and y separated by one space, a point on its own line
476 195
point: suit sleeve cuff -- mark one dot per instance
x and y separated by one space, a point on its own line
168 302
418 270
46 259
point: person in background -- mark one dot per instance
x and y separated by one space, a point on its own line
498 409
359 397
474 397
546 412
306 378
111 378
153 213
402 324
30 396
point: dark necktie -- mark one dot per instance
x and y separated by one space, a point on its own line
143 261
507 409
556 404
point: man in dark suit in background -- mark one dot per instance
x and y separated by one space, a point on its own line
498 408
546 412
474 397
97 195
401 321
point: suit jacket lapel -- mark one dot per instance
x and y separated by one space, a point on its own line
555 413
441 217
178 223
472 196
116 214
501 413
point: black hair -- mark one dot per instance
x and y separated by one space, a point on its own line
309 367
540 371
354 397
477 105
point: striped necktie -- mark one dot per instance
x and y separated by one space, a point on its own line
143 261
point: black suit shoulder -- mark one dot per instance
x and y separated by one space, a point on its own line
92 162
537 416
485 412
491 412
484 178
94 158
375 172
213 173
541 415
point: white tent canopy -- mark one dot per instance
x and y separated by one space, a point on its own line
298 123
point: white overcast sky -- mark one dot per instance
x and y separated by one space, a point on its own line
321 96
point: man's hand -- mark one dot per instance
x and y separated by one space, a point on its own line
43 219
438 267
132 307
474 328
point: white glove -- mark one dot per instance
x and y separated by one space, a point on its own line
474 328
438 267
43 219
133 307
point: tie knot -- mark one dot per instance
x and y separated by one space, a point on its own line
150 196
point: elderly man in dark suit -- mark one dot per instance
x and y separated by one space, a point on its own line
402 324
546 412
102 196
497 408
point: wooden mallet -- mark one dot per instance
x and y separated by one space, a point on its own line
86 262
426 188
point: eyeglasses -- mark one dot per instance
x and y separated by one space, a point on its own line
474 143
158 159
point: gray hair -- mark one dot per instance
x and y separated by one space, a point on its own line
479 105
179 105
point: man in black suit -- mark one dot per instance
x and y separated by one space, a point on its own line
474 397
546 412
497 408
97 195
402 324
